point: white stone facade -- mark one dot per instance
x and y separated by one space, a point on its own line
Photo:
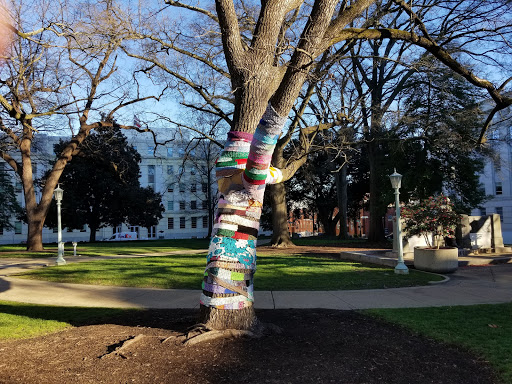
183 185
496 177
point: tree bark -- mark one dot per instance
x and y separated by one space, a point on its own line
280 233
341 188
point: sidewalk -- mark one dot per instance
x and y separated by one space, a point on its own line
467 286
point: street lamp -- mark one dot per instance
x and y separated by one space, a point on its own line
396 183
57 194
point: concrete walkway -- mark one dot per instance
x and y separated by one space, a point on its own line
467 286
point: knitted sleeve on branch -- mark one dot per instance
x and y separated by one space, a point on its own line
260 153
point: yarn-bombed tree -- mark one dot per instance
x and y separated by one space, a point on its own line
262 87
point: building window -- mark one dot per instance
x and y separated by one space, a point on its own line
170 205
170 188
499 188
182 205
170 223
181 152
151 150
17 227
194 222
182 222
182 187
205 221
170 169
499 211
193 188
151 174
193 204
193 170
181 171
204 187
152 232
497 164
169 153
204 204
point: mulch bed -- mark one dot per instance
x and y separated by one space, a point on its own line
317 346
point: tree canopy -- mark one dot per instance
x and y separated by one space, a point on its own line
101 186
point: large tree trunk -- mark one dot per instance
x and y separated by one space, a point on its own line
242 173
341 189
35 231
376 228
280 234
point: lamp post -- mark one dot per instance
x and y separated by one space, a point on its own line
396 183
57 194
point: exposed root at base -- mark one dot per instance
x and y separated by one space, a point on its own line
201 333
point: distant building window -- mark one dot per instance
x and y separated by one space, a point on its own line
181 170
204 187
170 188
151 174
182 222
499 211
193 171
169 152
194 222
170 223
151 150
497 164
170 169
499 188
205 221
193 204
17 227
181 152
170 205
182 205
204 204
193 188
182 187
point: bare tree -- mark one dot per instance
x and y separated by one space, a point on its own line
62 70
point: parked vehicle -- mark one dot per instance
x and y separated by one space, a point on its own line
123 236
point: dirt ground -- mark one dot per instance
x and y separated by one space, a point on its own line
317 346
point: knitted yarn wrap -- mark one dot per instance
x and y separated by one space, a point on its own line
243 170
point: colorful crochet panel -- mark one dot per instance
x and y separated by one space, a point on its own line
243 170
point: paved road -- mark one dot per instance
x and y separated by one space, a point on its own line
467 286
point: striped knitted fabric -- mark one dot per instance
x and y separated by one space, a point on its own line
235 153
231 260
260 154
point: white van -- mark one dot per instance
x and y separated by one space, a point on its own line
123 236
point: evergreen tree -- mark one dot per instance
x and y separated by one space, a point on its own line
9 205
102 186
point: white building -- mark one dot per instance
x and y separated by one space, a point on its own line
497 173
182 183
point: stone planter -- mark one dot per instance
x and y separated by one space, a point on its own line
442 260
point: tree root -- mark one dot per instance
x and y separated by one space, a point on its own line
202 333
118 349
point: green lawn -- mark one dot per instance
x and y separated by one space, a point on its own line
277 272
22 321
108 248
484 329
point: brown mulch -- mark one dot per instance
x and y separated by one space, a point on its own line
316 346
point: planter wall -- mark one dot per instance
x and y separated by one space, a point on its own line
443 260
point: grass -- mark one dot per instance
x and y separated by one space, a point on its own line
277 272
22 321
108 248
484 329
